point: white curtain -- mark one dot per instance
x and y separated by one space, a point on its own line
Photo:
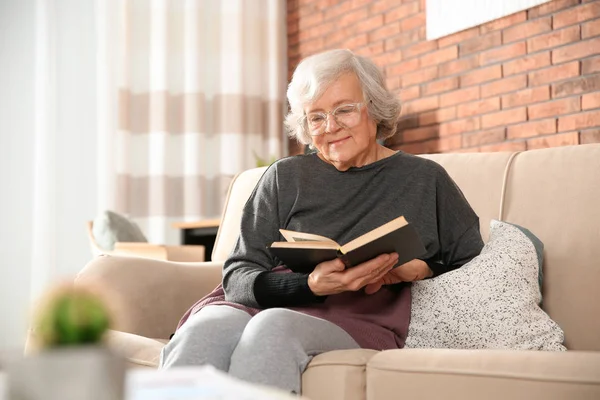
189 92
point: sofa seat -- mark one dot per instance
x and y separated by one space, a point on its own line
139 351
488 374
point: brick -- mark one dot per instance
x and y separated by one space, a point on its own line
503 53
575 86
369 24
483 137
398 13
553 74
437 116
427 147
422 75
481 75
590 65
393 82
406 122
554 108
410 23
589 136
576 15
371 50
402 40
310 20
553 39
527 63
575 51
527 29
478 107
447 143
384 32
311 46
459 126
420 105
458 66
589 119
410 93
480 43
355 41
503 117
561 139
501 23
590 29
527 96
377 7
403 67
334 12
551 7
591 100
467 150
459 96
439 56
387 58
419 134
506 146
419 48
441 85
458 37
530 129
504 86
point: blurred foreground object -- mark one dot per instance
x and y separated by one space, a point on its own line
72 362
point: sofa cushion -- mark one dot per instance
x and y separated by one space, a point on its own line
139 351
452 374
491 302
110 227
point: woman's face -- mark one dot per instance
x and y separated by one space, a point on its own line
340 146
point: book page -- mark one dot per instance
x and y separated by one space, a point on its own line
374 234
292 236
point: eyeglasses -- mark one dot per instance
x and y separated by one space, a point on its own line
346 115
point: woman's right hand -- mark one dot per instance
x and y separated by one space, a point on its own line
332 277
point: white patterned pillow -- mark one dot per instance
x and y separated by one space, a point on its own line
492 302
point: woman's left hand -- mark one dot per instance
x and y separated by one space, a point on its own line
414 270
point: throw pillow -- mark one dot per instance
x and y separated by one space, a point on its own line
110 227
492 302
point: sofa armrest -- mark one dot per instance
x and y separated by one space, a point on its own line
484 374
186 253
150 296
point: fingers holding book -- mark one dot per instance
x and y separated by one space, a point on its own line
331 277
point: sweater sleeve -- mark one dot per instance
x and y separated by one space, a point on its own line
248 278
458 227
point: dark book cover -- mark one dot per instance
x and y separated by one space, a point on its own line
405 241
302 259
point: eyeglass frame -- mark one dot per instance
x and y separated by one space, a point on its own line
326 115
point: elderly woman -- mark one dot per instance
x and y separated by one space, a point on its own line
265 323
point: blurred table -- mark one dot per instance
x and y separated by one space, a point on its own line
202 232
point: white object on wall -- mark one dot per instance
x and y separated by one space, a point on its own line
445 17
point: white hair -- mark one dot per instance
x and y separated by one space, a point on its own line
315 73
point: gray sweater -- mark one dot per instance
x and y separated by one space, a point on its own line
306 194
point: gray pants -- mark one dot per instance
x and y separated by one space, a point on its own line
272 348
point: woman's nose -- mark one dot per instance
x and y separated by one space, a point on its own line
331 125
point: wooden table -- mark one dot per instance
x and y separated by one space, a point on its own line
200 232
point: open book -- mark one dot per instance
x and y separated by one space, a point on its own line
303 251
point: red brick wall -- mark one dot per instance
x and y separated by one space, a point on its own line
529 80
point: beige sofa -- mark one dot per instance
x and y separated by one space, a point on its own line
553 192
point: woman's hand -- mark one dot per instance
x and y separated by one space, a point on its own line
332 277
414 270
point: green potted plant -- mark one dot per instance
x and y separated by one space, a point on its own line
72 361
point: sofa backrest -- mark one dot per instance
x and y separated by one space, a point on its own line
555 193
240 189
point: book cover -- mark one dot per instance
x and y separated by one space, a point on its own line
302 252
